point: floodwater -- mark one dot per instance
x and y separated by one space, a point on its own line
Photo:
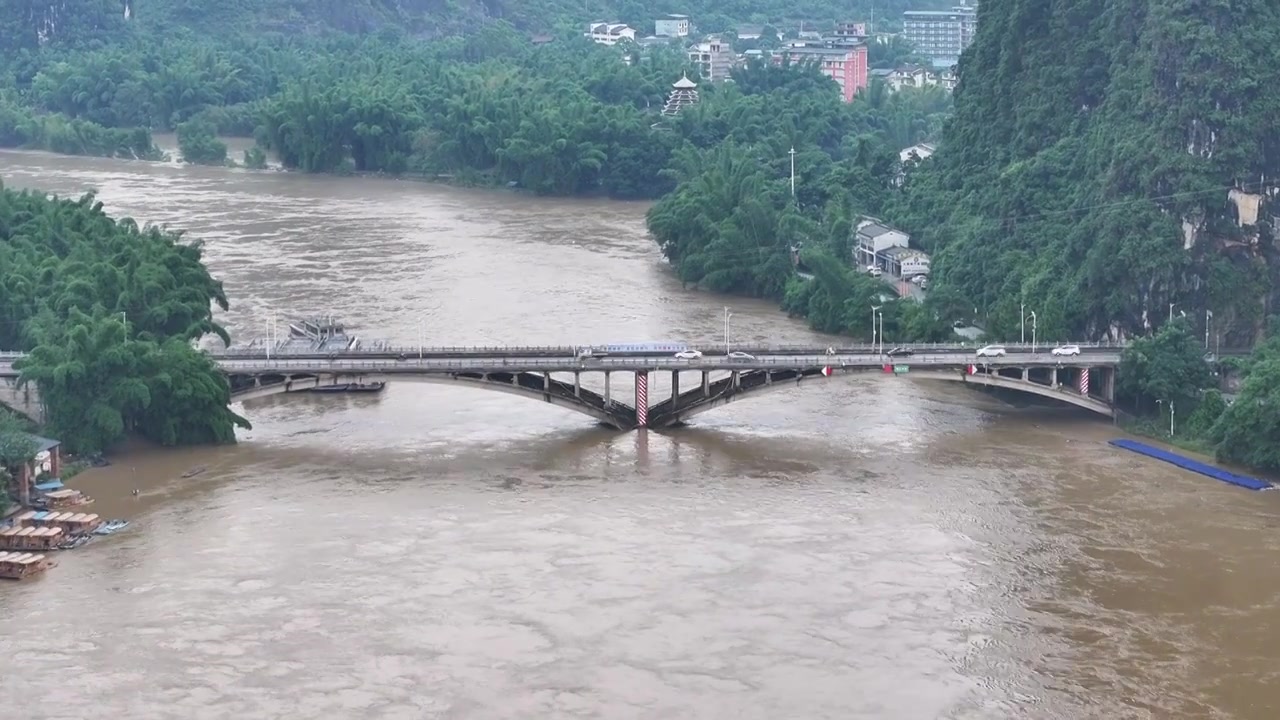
855 548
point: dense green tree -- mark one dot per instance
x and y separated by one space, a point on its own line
199 144
1167 367
109 312
1248 432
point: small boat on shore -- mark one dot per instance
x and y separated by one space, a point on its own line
110 527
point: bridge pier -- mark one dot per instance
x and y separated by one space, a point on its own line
607 402
1056 381
642 398
675 389
577 385
706 384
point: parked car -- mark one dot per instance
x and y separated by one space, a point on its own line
1066 350
900 352
875 271
992 351
739 355
688 355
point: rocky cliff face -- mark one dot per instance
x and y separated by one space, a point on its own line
1109 158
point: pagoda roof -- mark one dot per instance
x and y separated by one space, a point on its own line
684 83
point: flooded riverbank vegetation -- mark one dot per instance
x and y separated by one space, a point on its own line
108 312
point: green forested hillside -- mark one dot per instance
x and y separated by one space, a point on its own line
29 23
1091 163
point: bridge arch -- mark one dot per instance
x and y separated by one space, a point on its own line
533 386
753 383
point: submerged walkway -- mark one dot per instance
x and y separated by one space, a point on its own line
1187 463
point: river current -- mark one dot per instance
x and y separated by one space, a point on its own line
874 547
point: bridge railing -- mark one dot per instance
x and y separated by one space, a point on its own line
572 350
353 366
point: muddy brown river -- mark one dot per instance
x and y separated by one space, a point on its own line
873 547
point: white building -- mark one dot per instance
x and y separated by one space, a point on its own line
906 262
610 33
872 239
921 151
671 26
940 35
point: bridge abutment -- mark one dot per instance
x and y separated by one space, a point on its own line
24 400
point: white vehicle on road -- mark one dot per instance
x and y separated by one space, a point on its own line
992 351
875 271
688 355
1066 350
739 355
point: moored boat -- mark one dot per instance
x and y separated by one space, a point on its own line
22 565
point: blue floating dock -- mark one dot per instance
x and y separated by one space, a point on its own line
1196 466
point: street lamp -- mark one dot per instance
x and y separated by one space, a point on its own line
1208 318
422 335
727 315
1033 331
1022 313
1161 403
1171 305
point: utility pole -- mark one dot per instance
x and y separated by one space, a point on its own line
793 170
1208 318
1022 313
1033 331
1171 311
1170 418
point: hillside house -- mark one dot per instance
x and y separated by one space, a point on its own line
610 33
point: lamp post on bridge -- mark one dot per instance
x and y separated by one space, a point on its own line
1022 314
875 310
1033 331
727 315
421 338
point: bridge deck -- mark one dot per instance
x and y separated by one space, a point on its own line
250 366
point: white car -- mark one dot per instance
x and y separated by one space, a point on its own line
1066 350
992 351
739 355
875 271
688 355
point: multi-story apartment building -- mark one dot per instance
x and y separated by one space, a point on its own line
671 26
714 59
940 35
846 65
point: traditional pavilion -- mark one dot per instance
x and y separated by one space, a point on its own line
684 92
